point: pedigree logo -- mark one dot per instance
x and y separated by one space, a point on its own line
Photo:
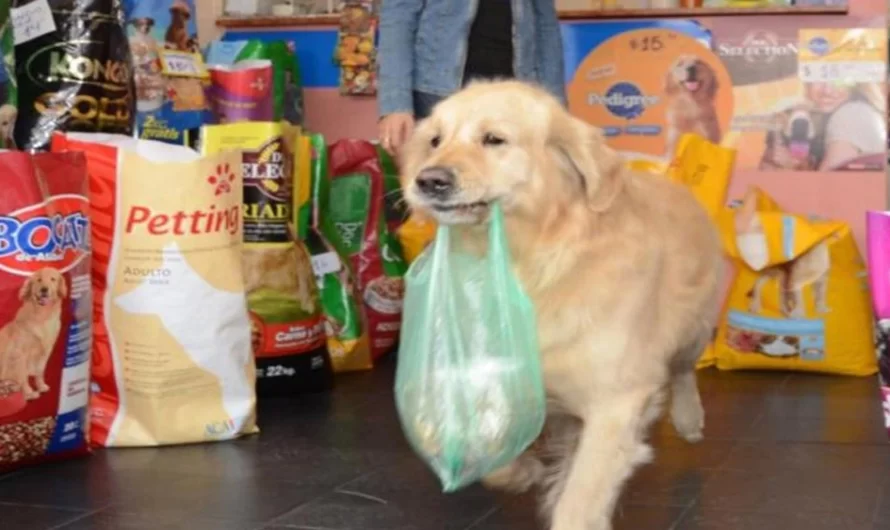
55 232
624 100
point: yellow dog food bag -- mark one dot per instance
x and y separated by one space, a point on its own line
800 299
705 168
414 235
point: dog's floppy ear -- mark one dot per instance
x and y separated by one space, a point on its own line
670 85
63 287
25 289
592 165
714 85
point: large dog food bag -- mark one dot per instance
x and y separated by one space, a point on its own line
171 354
878 242
45 307
800 299
74 70
469 388
286 317
357 214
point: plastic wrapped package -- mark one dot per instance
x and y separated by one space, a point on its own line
469 388
878 242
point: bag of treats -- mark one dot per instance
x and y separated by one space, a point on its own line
171 348
74 74
287 91
168 70
469 388
799 300
356 222
241 92
8 84
286 318
45 307
347 334
878 242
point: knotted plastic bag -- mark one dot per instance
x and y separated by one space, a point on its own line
469 388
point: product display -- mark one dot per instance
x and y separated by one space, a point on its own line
705 168
287 91
45 308
355 52
168 70
356 216
286 317
171 349
469 388
8 84
74 74
879 276
240 92
799 300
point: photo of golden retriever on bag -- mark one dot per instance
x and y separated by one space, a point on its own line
791 142
622 268
27 342
690 87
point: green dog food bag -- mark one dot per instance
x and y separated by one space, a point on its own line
469 388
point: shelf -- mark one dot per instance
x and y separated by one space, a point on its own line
267 21
696 12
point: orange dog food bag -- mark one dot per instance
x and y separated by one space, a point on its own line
45 308
172 356
800 299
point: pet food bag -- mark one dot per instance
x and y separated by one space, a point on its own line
74 71
414 235
469 388
287 90
345 328
8 85
800 298
878 242
168 70
705 168
286 317
240 92
171 348
358 224
45 308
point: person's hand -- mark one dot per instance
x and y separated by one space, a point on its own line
394 130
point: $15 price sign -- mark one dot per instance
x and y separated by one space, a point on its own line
182 64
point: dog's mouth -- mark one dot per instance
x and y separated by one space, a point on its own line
42 299
799 150
453 213
462 208
692 86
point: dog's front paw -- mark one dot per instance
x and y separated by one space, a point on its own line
517 477
42 387
564 519
689 420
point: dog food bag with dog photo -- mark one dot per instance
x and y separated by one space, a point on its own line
45 308
800 299
878 243
74 70
171 348
347 334
356 211
705 169
286 319
469 388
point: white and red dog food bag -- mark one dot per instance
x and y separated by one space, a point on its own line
171 357
45 307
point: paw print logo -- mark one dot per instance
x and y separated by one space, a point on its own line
222 180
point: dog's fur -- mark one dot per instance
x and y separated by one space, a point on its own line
809 269
793 126
622 268
691 87
27 342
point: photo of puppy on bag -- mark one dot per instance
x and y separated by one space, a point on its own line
27 342
690 87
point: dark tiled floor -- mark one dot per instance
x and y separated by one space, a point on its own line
786 452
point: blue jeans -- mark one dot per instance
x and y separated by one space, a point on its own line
424 103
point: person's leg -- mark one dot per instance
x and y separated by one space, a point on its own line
424 103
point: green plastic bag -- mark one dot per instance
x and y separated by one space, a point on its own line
469 388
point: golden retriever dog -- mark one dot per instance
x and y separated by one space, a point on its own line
27 342
791 140
690 86
286 269
622 268
810 269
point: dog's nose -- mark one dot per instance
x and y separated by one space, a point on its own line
44 290
436 182
691 72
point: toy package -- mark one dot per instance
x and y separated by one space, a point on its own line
878 242
469 387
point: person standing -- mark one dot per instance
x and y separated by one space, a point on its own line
430 49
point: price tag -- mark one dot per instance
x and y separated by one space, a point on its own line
326 263
843 71
31 21
182 64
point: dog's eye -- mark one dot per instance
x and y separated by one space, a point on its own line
435 141
492 140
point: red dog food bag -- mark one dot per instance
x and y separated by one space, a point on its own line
171 352
45 308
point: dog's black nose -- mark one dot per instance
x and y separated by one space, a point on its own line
691 72
44 290
436 182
